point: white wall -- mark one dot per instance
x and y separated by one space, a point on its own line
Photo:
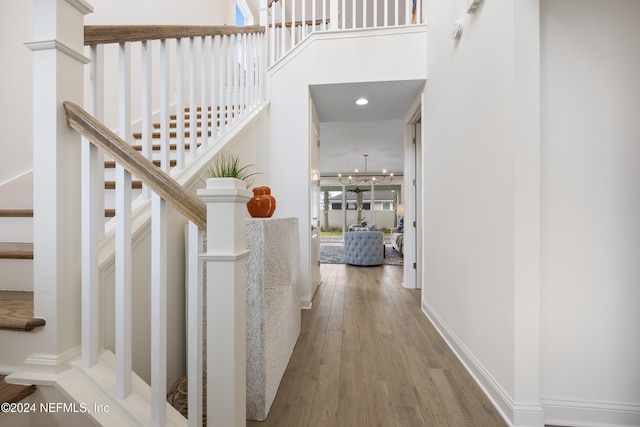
591 209
163 12
480 184
531 204
468 182
326 58
16 110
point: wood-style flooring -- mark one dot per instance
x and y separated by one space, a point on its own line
368 356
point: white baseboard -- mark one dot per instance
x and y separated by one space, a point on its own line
550 410
564 412
518 414
305 303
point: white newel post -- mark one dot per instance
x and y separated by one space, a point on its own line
226 264
58 62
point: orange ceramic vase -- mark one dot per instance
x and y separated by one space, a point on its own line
259 205
267 192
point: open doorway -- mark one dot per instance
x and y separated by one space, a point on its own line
413 201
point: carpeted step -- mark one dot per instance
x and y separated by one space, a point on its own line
16 311
12 393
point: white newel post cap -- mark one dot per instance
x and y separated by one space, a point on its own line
226 200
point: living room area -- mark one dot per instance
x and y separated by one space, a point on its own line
366 166
346 224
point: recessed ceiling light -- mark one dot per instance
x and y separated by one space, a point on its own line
362 101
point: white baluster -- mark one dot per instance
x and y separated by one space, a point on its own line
283 48
180 103
313 15
248 73
407 11
165 79
215 75
147 106
334 14
364 13
92 188
123 236
324 15
272 39
354 16
236 77
293 23
386 13
204 90
194 323
158 310
343 12
303 34
418 12
261 68
396 6
224 45
241 66
193 114
375 13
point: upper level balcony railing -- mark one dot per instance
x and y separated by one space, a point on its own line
290 21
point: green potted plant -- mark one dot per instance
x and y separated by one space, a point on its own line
227 165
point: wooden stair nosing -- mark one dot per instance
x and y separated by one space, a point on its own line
187 125
16 313
16 213
156 147
13 250
111 185
157 135
13 393
111 164
174 117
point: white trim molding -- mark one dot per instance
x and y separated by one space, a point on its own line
57 45
305 303
81 6
514 413
559 411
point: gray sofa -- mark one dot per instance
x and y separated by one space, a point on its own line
364 247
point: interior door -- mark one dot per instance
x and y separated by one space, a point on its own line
314 199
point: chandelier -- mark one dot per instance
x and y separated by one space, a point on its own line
366 178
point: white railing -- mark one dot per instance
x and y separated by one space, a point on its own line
290 21
202 71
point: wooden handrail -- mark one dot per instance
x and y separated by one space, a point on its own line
142 168
271 2
105 34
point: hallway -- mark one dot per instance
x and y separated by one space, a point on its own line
368 356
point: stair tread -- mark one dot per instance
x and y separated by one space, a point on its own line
14 250
13 393
16 311
16 213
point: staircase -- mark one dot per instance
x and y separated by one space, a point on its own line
16 250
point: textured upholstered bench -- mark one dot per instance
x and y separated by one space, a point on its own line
363 247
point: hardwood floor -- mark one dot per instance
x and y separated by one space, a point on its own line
368 356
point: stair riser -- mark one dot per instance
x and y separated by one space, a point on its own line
17 274
16 230
16 347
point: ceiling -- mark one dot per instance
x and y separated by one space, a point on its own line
348 131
